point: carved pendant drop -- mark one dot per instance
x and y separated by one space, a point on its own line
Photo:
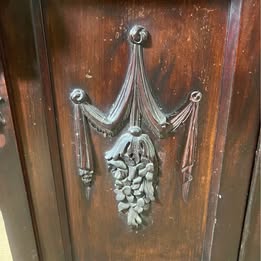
132 160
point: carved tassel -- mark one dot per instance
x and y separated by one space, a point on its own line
132 160
190 147
82 143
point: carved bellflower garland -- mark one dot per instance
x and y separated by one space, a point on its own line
132 160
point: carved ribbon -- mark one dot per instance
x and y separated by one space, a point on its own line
132 160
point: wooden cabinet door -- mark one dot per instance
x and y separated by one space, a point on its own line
171 90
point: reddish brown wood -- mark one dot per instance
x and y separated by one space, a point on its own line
49 107
132 159
198 45
229 65
28 108
241 137
250 244
87 43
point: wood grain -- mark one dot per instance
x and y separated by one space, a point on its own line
50 114
210 46
242 134
28 107
250 244
87 45
228 71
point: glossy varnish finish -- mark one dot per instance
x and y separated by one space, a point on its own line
250 244
87 46
29 108
241 136
210 46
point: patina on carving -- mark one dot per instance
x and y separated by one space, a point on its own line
132 160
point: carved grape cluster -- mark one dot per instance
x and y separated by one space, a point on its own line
133 186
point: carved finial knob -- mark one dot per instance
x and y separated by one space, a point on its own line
195 96
138 34
135 131
78 96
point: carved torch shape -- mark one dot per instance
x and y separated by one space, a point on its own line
132 160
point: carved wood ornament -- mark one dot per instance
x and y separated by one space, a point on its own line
132 161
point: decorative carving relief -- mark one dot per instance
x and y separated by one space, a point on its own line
132 161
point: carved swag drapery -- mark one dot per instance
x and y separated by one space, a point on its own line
132 160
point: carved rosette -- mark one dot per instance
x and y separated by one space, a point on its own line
132 160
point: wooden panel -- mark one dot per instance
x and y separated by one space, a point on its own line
241 136
194 45
88 48
250 245
14 206
29 108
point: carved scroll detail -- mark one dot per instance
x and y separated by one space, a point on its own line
132 159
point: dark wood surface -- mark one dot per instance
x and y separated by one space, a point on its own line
29 106
241 136
14 205
87 46
210 46
250 244
228 71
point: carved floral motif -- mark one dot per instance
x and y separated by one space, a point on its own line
131 162
132 159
